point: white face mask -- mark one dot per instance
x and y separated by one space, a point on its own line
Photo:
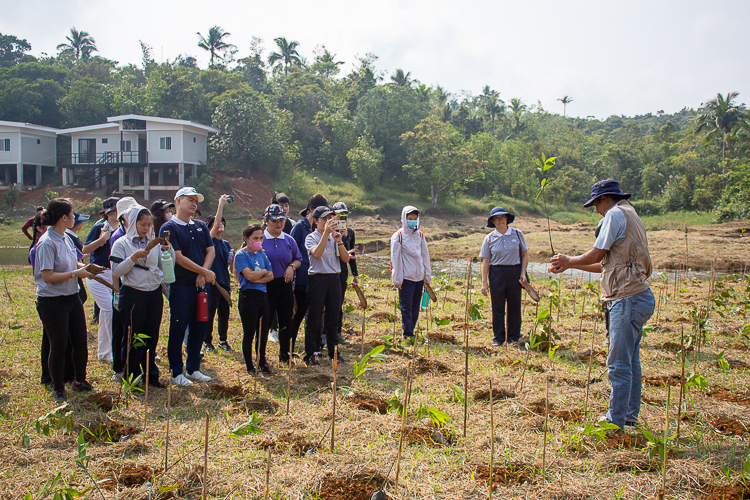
168 216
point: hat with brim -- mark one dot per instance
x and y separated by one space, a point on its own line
110 204
189 191
274 212
601 188
500 211
124 204
321 212
79 218
318 202
161 205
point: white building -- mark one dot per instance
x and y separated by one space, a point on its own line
146 153
25 148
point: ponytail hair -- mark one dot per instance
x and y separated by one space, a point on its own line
56 209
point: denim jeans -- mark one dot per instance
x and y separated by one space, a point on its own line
183 311
410 298
626 319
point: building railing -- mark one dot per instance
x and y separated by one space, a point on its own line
105 158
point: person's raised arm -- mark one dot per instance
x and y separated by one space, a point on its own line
219 214
343 253
317 250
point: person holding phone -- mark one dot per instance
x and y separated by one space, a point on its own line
223 257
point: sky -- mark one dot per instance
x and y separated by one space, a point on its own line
611 57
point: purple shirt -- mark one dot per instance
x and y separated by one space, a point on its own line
280 251
116 236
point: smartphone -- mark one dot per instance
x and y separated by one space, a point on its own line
341 224
165 235
230 198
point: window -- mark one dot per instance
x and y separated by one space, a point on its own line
125 146
38 141
4 144
105 140
165 143
194 139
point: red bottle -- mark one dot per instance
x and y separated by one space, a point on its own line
202 304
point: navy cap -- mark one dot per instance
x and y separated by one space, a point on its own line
321 212
110 204
80 218
601 188
500 211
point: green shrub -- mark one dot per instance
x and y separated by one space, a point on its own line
648 207
733 205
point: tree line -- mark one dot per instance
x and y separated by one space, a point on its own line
283 114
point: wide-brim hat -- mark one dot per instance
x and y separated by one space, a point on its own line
499 211
601 188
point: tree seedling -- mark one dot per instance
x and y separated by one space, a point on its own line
58 418
252 426
543 165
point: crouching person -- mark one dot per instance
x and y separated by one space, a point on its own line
141 301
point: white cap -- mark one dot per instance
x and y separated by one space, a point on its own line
123 204
189 191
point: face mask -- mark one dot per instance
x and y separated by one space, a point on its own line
255 245
168 216
412 224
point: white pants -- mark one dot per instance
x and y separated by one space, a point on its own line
103 297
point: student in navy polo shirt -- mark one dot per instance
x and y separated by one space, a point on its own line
97 244
220 267
194 254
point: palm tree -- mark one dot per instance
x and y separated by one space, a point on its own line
565 100
402 79
214 42
80 43
327 57
493 105
287 54
517 109
721 117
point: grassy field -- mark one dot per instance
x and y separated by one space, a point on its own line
437 461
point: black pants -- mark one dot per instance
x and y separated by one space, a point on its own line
410 299
344 278
222 306
300 298
145 310
68 372
252 306
119 339
323 293
65 322
281 305
505 288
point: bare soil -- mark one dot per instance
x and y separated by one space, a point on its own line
361 486
736 492
126 476
729 426
725 394
662 380
297 445
369 402
502 475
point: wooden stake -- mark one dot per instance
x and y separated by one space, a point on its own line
364 317
288 382
666 432
335 380
492 439
546 419
205 458
466 341
588 376
145 397
169 417
658 306
268 473
403 425
580 326
682 379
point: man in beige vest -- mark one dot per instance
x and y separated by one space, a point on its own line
620 254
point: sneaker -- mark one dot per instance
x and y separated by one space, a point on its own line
59 396
209 348
82 387
341 340
311 361
496 343
631 425
273 336
224 346
181 380
339 357
197 376
264 368
117 376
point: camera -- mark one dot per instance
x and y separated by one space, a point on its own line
230 198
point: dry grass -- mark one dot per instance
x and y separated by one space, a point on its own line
448 467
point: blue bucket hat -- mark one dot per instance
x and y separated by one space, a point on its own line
601 188
499 211
79 218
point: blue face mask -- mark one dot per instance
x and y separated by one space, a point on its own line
412 224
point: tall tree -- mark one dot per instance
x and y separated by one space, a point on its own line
721 117
215 43
80 44
567 100
493 106
517 109
402 79
11 50
287 54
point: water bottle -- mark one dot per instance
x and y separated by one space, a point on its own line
202 304
425 300
167 267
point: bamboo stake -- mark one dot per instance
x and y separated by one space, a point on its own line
466 340
666 432
588 376
205 458
395 297
335 380
682 379
403 425
288 382
580 326
492 439
145 397
658 306
364 317
546 420
169 415
268 473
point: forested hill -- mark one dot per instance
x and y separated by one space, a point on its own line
286 116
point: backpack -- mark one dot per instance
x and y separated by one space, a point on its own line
400 241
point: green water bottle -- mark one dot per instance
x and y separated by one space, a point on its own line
425 300
167 267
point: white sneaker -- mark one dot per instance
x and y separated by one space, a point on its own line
181 380
117 376
273 336
197 376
